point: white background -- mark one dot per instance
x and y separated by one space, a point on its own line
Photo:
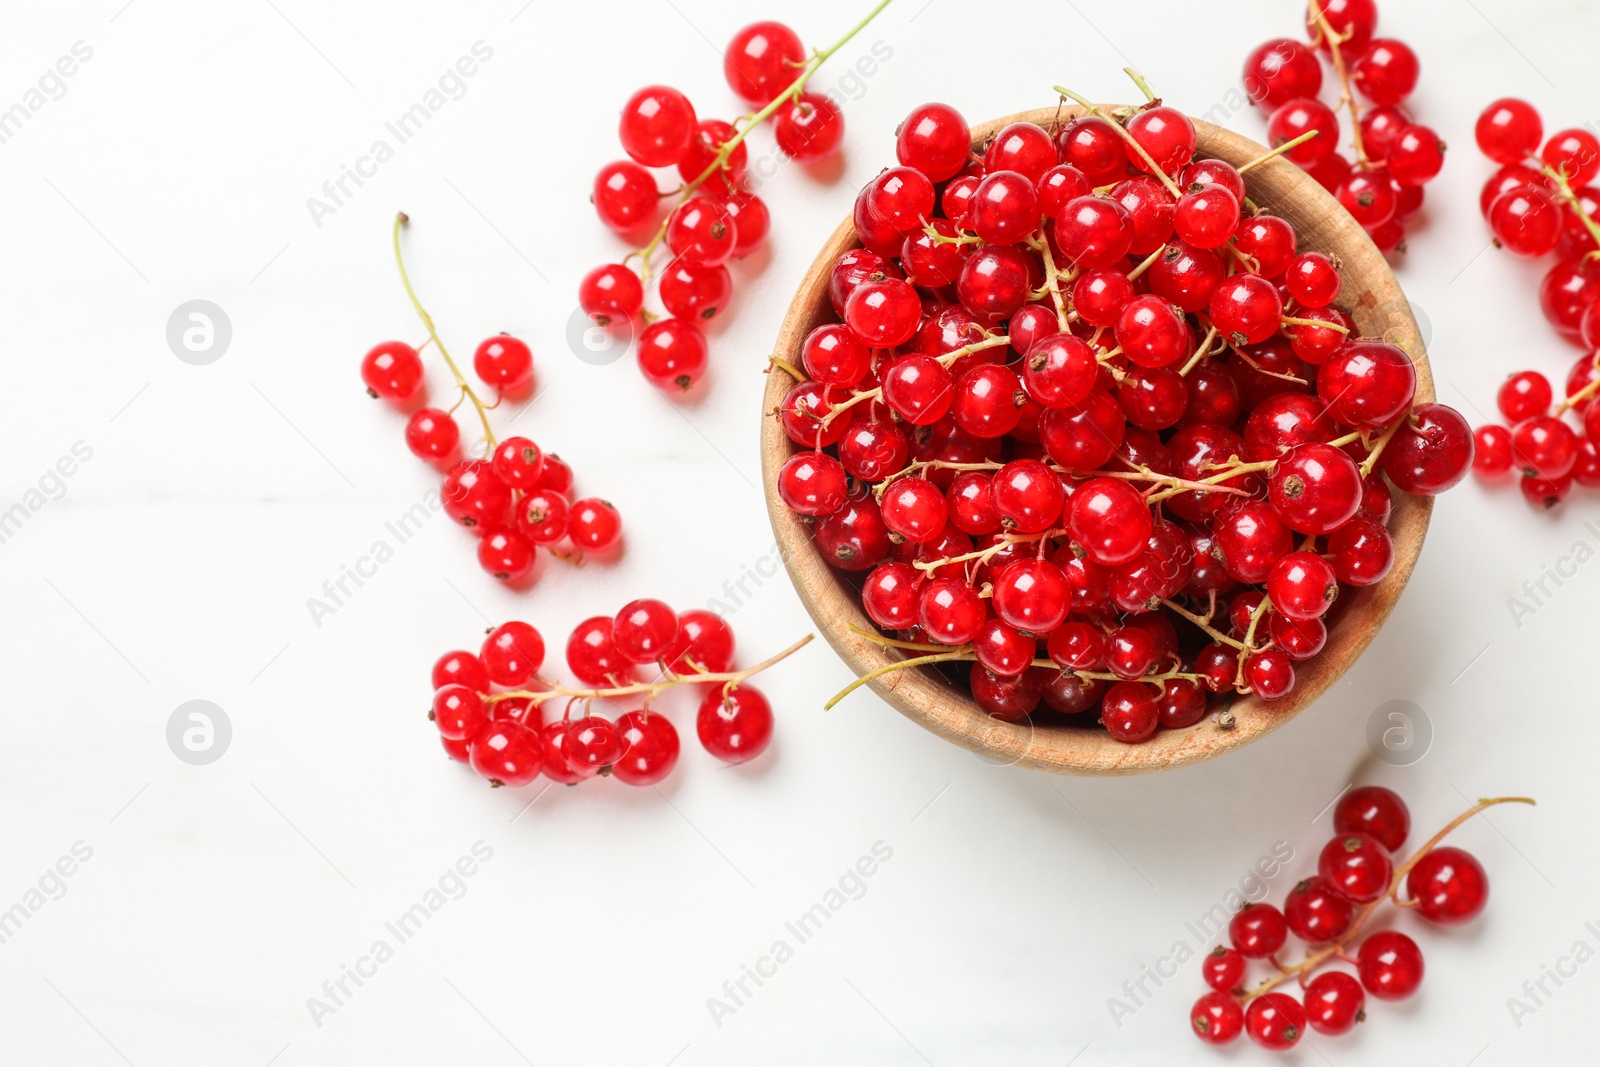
177 566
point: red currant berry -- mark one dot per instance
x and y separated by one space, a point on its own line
649 748
673 354
1492 453
1357 866
392 370
1247 308
1316 913
625 196
1575 153
1152 332
691 291
610 293
1257 931
1129 712
1269 241
475 496
595 525
1269 674
507 554
810 129
1334 1003
1362 552
884 314
704 645
1297 118
507 753
1165 134
645 630
503 362
1386 73
1275 1021
1509 130
935 140
701 231
914 508
813 483
1526 221
459 712
1449 886
1099 295
1093 232
1367 384
1302 586
853 538
995 282
1217 1018
543 515
1206 218
1390 965
762 60
1375 811
512 653
518 462
1432 450
432 434
735 726
657 124
1223 968
1282 70
950 611
460 668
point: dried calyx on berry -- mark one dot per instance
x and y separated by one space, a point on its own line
1126 460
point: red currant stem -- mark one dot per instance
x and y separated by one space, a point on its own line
1250 642
1144 86
1336 949
400 221
914 661
959 239
1169 481
1567 196
945 360
1213 483
983 555
1371 461
1146 263
1052 279
1200 353
1111 353
1204 624
1280 150
958 653
890 642
1348 439
1258 367
1290 320
1347 99
788 368
650 689
1095 110
575 558
795 88
1251 264
1579 397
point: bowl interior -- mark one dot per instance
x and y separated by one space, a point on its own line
1370 293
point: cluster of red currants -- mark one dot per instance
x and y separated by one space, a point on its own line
1394 157
517 497
1356 873
1541 201
716 218
1055 422
489 718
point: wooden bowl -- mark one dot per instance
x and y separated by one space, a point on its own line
1370 293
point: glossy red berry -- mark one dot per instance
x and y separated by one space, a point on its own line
734 726
649 748
1269 674
543 515
1275 1021
1375 811
1575 153
657 124
594 525
1281 70
1094 232
1509 131
762 60
1448 885
432 434
1431 452
950 611
1386 73
1315 913
645 630
935 140
503 362
1335 1002
1298 117
392 370
625 196
691 291
1217 1018
512 653
459 712
813 483
705 644
1357 866
1258 931
475 496
507 753
1367 384
1526 221
810 129
1390 965
673 354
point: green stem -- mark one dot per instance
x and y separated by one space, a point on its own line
400 220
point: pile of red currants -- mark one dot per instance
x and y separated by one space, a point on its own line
489 706
516 498
1356 874
1394 157
715 217
1086 425
1540 202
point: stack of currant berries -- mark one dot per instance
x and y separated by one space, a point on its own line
716 217
489 707
1394 156
1541 202
517 497
1066 437
1357 873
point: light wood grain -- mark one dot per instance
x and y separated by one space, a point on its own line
1370 293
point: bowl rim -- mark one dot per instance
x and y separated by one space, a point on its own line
925 696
